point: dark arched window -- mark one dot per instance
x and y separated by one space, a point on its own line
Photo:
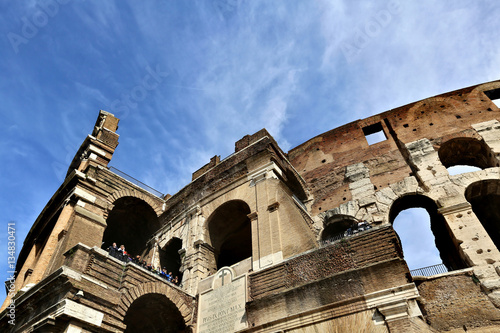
337 226
154 313
132 223
465 155
230 233
484 197
427 223
170 258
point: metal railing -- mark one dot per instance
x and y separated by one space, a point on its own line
345 234
429 270
136 182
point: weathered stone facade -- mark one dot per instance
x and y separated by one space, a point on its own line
261 242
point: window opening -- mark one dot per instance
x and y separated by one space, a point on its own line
374 133
423 230
413 227
462 155
494 96
341 226
131 223
170 259
459 169
230 233
484 197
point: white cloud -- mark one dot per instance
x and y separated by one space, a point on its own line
235 67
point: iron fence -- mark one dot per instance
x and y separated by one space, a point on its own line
429 270
136 182
345 234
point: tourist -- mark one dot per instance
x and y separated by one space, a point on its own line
122 254
113 250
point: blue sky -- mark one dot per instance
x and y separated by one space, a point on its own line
221 69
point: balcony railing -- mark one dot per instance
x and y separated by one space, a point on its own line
429 270
362 227
136 182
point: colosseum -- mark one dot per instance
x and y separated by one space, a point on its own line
272 241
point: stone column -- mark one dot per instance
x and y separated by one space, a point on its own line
490 132
477 247
50 246
190 255
266 244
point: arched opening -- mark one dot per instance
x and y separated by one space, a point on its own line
131 222
484 197
170 259
230 233
459 169
154 313
465 155
339 226
423 232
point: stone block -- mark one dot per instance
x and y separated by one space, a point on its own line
490 285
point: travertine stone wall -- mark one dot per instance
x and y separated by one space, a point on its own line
452 302
286 200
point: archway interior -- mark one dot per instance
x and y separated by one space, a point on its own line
419 244
466 152
337 226
170 257
230 233
443 241
131 222
484 197
154 313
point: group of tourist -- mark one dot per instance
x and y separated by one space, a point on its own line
121 254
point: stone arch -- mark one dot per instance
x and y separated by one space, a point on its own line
229 232
440 102
336 225
466 151
486 87
487 93
169 256
155 204
131 222
484 197
444 241
182 302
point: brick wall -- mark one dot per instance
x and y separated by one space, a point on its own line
456 302
375 246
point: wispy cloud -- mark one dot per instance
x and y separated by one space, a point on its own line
233 68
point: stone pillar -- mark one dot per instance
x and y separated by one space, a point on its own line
22 276
431 172
155 258
475 243
254 220
362 192
197 260
266 242
477 247
197 264
398 307
490 132
274 219
50 246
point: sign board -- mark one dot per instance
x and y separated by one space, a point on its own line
222 309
